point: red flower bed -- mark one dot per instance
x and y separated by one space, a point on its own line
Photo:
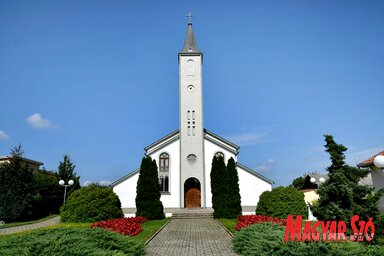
246 220
124 226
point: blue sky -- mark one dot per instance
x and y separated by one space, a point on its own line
98 80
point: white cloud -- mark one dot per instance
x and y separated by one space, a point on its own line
3 136
37 121
248 138
100 182
268 165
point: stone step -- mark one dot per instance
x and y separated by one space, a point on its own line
192 216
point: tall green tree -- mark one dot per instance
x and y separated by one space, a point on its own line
148 194
16 187
219 187
47 194
341 196
234 201
66 172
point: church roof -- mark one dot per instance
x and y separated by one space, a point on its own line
124 178
175 135
258 175
190 46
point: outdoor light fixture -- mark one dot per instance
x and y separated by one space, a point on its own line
62 183
378 161
314 181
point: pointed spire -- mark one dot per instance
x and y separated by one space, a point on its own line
190 46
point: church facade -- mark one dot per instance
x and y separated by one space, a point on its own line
184 156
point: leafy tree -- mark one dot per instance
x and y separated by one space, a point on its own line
148 194
16 187
67 172
90 204
341 196
298 183
234 200
46 194
282 201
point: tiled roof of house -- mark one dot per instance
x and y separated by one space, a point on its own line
369 161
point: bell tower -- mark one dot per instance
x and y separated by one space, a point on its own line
191 120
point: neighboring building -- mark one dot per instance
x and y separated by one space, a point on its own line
32 164
377 175
184 156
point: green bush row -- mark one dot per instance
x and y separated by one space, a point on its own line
70 241
268 239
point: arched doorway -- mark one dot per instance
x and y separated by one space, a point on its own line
192 193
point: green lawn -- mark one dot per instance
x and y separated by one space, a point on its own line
15 224
229 224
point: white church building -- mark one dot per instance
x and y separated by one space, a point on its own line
184 157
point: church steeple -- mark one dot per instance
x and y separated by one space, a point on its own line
190 46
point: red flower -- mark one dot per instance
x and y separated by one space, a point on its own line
246 220
124 226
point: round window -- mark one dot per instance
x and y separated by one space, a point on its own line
191 158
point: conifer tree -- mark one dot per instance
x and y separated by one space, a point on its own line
148 194
219 183
234 199
66 172
341 196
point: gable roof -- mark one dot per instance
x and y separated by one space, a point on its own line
369 161
162 142
175 135
30 161
258 175
124 178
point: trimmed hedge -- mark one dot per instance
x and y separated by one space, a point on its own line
91 204
282 201
266 239
70 241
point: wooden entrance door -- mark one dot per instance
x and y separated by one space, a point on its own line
192 198
192 193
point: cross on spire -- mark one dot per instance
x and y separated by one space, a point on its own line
189 15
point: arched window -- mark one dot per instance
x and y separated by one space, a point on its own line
219 154
190 68
164 162
164 184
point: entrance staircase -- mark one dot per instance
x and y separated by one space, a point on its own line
193 213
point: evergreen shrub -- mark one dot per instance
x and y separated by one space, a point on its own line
282 201
266 239
91 204
70 241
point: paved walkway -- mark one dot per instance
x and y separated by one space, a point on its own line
45 223
184 237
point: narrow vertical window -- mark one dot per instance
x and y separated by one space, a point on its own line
190 68
166 184
189 115
164 162
189 130
193 114
193 130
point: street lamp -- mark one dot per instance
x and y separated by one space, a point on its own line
314 181
62 183
378 161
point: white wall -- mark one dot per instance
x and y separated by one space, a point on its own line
126 191
251 187
173 149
